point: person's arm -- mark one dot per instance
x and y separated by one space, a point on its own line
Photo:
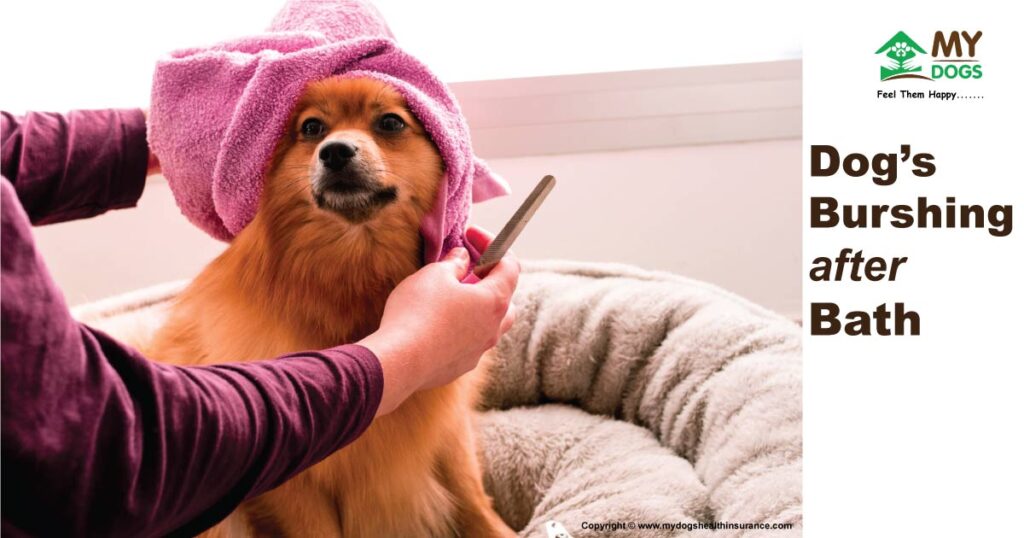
99 441
75 165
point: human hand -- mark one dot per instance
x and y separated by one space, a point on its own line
914 62
153 165
435 328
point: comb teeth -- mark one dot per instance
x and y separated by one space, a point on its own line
497 249
491 256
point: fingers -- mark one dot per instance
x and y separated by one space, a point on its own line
503 278
479 238
458 257
508 320
153 164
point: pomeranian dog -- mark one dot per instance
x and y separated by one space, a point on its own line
337 229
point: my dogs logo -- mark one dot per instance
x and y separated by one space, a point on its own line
952 57
903 57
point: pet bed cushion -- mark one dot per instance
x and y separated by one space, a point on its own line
621 396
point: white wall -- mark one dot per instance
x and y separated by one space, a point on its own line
106 49
728 214
126 249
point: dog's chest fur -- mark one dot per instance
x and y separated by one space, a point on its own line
245 306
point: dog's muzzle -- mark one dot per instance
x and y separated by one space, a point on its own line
344 183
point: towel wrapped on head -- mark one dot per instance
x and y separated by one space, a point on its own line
217 113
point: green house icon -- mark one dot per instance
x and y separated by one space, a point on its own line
900 52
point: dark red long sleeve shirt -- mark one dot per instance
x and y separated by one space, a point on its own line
99 441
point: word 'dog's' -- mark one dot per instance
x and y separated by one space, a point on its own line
884 167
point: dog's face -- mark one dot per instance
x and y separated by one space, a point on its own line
354 156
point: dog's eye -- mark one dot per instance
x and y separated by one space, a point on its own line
313 128
390 123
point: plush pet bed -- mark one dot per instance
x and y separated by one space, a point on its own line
624 397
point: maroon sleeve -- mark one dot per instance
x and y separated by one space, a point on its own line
74 165
98 441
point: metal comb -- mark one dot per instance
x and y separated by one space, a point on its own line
497 249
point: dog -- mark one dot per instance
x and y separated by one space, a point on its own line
336 230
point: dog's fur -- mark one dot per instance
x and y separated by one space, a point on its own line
313 270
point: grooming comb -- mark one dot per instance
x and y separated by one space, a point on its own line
497 249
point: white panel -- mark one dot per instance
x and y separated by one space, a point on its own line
637 109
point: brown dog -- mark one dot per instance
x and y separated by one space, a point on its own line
337 229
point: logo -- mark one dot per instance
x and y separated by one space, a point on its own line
952 57
903 57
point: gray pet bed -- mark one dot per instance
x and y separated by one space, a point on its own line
622 397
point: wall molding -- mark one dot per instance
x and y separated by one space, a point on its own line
634 109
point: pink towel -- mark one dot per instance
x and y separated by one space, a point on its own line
217 112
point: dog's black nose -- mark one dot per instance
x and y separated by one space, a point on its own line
336 154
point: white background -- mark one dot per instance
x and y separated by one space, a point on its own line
918 436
